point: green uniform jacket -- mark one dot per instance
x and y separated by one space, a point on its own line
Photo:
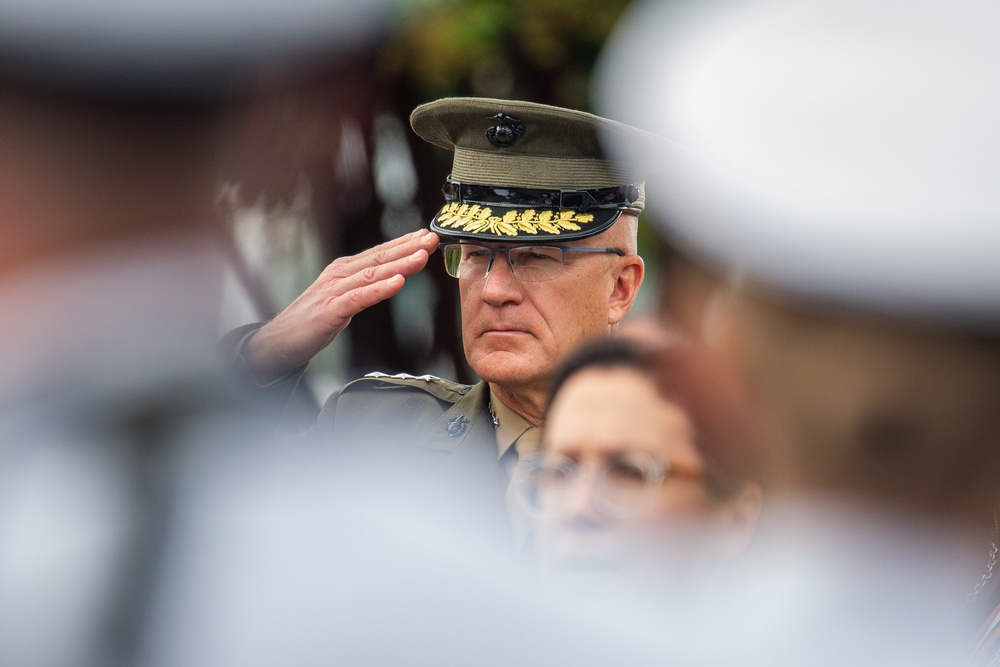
429 440
433 438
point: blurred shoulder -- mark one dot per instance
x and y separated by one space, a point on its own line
403 383
403 393
410 398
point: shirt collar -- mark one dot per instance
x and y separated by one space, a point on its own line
510 425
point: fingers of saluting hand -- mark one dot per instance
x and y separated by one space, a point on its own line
345 288
404 256
351 284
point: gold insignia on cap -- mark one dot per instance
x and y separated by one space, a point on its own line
476 218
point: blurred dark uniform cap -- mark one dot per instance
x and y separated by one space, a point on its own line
174 49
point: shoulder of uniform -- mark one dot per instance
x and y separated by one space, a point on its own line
444 389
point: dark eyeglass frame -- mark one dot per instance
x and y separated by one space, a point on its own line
505 251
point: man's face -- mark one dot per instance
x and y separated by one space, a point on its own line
515 332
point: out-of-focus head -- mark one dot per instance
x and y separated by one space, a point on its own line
837 177
174 50
841 152
633 479
533 180
116 113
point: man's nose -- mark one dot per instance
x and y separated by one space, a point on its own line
500 285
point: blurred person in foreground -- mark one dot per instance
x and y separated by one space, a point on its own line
635 485
539 229
114 123
838 189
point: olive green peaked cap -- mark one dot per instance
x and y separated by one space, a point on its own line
527 172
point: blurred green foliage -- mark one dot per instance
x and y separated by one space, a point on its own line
541 50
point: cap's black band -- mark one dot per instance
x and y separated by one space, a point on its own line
616 197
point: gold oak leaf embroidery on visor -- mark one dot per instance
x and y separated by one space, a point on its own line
474 218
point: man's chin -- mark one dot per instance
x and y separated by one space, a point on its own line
505 367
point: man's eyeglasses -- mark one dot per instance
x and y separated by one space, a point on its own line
528 263
623 485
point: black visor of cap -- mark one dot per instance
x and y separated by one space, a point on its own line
504 213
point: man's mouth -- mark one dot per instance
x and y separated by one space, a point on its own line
505 330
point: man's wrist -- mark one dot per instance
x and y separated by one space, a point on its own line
261 379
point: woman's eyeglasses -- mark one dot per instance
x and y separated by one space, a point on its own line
624 484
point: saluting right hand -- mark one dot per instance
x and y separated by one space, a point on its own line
346 286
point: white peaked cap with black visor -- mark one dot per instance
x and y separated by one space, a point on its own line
843 152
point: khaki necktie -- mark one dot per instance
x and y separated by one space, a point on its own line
521 522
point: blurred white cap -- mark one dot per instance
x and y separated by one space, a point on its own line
174 47
844 151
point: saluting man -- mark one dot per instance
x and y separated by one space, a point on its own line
539 229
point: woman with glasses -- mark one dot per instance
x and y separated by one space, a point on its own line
633 480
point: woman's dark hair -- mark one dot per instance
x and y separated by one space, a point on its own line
684 377
602 353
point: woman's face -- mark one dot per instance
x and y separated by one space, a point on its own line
621 488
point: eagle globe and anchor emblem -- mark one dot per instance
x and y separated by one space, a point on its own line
505 130
456 426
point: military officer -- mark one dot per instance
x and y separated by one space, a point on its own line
839 186
117 121
539 229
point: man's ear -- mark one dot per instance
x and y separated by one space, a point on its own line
631 271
